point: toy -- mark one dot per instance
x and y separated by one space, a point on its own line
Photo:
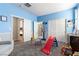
46 49
66 50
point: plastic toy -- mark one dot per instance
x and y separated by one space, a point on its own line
47 48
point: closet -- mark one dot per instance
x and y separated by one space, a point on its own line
57 28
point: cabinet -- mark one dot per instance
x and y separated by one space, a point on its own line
74 42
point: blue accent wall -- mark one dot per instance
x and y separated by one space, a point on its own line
66 14
7 9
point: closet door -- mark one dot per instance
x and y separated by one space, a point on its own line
51 27
57 28
60 30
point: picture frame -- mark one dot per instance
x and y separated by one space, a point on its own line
3 18
69 23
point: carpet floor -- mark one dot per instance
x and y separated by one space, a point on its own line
34 50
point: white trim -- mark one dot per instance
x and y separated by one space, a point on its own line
7 49
17 16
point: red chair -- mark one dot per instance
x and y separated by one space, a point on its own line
48 45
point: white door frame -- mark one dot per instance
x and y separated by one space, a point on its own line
12 23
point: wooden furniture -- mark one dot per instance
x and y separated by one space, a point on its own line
76 54
66 50
74 42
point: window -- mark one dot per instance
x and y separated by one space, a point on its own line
3 18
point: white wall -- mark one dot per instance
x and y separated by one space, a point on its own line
6 49
5 36
27 29
57 28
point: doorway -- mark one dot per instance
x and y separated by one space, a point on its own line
18 30
38 29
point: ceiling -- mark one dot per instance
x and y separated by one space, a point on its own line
40 9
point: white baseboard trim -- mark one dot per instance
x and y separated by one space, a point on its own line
5 50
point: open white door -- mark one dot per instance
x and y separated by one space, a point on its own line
35 29
27 29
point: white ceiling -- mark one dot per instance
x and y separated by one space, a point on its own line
40 9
